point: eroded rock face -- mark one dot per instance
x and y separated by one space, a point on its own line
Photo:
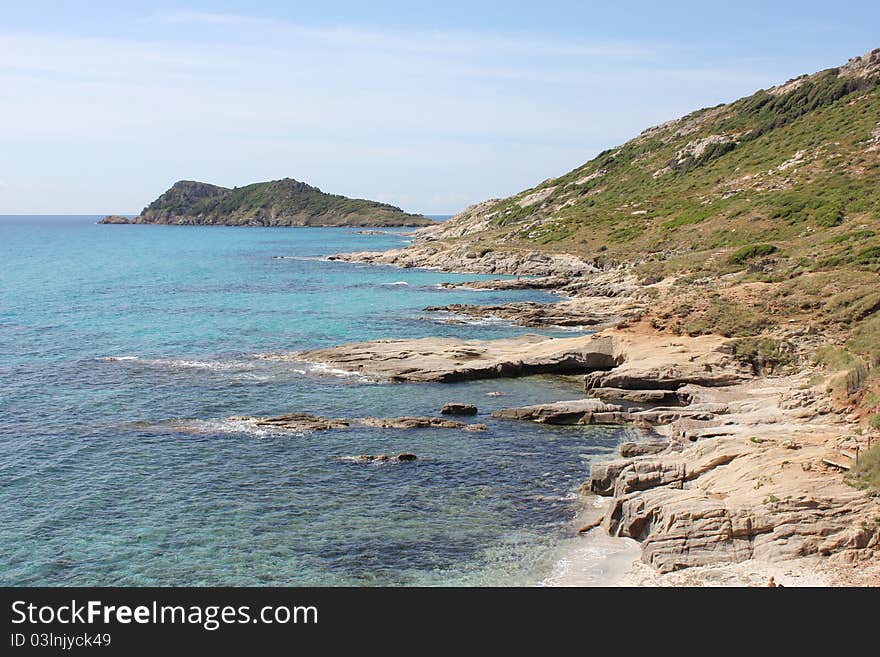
577 411
727 500
658 396
644 448
666 378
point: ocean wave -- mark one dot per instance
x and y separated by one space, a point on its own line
399 283
317 369
306 258
181 363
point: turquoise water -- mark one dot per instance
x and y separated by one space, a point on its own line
122 350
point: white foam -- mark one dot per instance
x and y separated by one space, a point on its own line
227 426
317 369
399 283
593 560
306 258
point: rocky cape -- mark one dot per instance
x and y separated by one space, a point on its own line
284 202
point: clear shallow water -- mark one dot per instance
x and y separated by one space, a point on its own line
122 350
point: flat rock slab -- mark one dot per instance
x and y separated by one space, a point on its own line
578 411
449 360
309 422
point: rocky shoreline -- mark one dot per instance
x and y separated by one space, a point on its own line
745 472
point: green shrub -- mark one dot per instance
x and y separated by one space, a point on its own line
747 253
866 474
761 353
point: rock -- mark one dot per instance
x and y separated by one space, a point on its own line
448 360
590 526
631 449
667 378
453 408
578 411
710 505
488 261
372 458
418 423
538 283
302 422
309 422
639 396
604 474
115 219
525 313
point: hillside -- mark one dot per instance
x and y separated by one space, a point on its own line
284 202
738 219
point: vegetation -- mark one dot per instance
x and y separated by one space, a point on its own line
866 474
750 252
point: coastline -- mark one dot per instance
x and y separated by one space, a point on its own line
707 510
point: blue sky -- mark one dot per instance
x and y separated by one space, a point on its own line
430 106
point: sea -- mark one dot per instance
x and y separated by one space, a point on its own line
124 349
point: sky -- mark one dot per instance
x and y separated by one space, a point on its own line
429 106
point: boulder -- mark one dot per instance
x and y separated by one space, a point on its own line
631 449
454 408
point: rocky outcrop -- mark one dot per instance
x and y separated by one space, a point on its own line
658 396
297 422
309 422
578 411
455 408
536 283
524 313
666 378
744 490
449 360
475 260
418 423
631 449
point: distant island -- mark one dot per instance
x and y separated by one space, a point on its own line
286 202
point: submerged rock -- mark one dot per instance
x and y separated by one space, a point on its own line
302 422
373 458
309 422
418 423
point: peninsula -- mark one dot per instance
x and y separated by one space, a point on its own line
286 202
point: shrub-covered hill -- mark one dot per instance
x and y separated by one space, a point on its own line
284 202
763 212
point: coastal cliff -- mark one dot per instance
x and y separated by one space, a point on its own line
284 202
